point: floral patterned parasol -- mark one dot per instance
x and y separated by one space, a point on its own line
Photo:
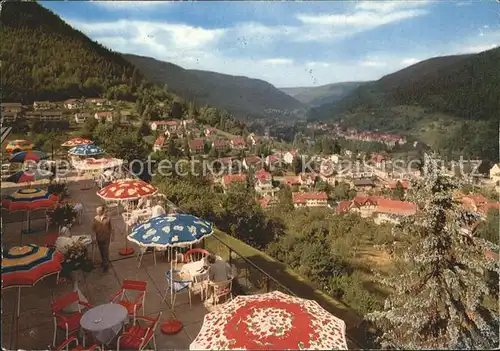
77 141
171 230
127 189
272 321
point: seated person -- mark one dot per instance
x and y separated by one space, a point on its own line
64 241
157 210
218 270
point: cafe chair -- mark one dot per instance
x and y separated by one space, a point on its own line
73 339
194 255
70 323
176 286
221 289
131 304
199 285
138 337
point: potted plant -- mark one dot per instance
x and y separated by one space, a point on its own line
75 258
62 215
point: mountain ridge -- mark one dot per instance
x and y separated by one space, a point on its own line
322 94
242 96
453 98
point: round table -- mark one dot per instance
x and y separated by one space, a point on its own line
104 321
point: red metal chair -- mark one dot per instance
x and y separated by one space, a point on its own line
68 322
66 342
132 304
137 337
194 255
50 240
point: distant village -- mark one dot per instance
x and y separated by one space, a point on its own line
371 180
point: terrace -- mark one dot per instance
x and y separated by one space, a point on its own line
34 327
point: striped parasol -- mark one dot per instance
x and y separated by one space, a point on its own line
24 266
28 176
77 141
29 200
18 145
31 155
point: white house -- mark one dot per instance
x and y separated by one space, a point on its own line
289 156
82 117
164 125
73 104
104 115
334 158
495 173
309 199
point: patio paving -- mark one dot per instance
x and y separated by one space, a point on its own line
34 327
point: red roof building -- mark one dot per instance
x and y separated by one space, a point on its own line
238 143
220 144
165 125
197 145
291 180
267 201
229 179
404 183
210 131
251 161
310 199
159 144
263 175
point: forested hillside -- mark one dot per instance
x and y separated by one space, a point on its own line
243 97
45 58
323 94
450 102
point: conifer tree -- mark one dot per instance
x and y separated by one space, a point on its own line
437 297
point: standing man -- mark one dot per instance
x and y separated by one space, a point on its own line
103 235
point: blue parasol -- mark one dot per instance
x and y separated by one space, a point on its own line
174 230
86 150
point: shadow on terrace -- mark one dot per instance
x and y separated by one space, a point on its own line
33 329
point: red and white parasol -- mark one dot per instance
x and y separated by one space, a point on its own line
77 141
126 189
272 321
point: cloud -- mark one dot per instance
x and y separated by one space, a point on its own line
366 16
317 64
372 63
130 5
387 6
182 37
278 61
409 61
474 49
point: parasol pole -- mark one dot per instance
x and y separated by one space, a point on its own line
18 301
126 251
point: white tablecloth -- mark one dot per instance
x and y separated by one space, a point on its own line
196 268
104 321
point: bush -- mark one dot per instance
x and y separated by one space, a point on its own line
352 291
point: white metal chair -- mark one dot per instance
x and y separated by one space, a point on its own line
199 285
176 286
221 289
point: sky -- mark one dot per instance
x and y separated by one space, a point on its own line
286 43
